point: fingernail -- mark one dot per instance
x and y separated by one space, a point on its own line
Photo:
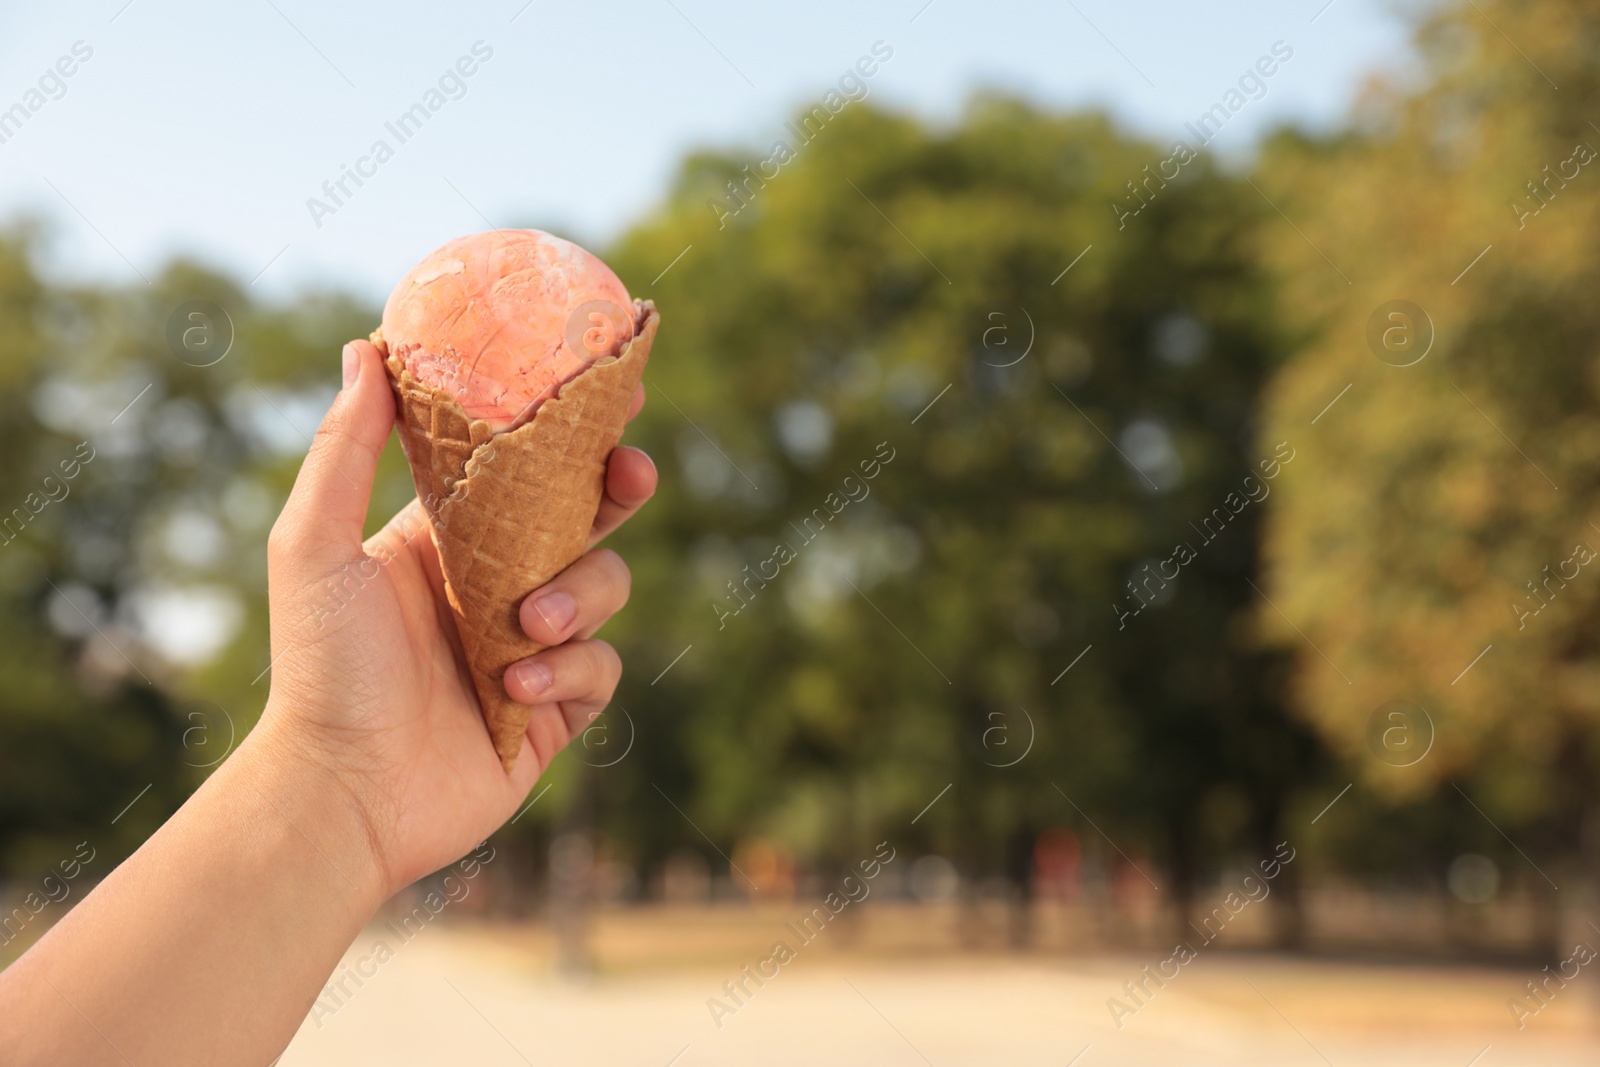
352 365
557 610
535 677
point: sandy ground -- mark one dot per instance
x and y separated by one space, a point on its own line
488 995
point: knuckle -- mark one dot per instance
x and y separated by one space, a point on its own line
338 432
605 664
618 576
282 539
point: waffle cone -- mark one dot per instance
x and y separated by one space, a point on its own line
511 511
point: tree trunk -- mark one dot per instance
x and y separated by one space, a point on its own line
1181 874
1019 876
572 881
1288 901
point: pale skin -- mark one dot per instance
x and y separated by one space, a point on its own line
370 768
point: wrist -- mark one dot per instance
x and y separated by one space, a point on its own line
295 783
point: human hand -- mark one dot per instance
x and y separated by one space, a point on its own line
369 687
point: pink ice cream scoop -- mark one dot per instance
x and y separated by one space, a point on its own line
501 320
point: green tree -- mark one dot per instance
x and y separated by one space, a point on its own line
180 448
813 315
1415 536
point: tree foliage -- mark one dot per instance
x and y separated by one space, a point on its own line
988 506
1439 504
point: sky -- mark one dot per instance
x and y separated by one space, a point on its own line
205 130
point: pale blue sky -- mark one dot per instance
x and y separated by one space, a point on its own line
203 128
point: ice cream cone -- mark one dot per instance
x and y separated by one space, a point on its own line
512 510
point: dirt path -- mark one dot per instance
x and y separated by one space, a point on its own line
477 995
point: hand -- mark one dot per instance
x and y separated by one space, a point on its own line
369 687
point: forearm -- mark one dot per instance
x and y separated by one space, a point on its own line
209 945
371 769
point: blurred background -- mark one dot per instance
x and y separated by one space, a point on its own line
1175 424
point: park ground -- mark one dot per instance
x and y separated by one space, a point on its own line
894 990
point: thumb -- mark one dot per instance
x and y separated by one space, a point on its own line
323 519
